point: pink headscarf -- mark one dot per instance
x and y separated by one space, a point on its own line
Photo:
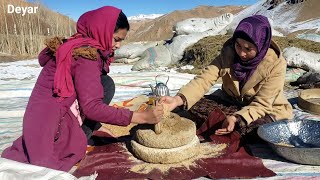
94 28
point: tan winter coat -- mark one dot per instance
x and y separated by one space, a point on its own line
262 93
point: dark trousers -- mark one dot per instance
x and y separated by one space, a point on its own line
88 125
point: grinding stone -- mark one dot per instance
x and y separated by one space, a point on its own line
176 132
166 156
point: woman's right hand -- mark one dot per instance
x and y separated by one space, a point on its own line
151 115
171 102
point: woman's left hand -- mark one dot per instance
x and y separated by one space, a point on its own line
227 126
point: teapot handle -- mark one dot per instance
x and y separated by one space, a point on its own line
161 75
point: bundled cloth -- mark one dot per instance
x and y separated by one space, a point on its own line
132 52
188 32
302 59
308 80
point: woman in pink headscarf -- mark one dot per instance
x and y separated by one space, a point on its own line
52 135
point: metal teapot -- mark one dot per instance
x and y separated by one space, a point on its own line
161 89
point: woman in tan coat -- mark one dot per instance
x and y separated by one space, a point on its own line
252 69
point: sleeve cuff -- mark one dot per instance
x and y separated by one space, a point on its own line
244 114
130 118
184 106
241 121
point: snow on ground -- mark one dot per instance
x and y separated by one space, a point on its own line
282 17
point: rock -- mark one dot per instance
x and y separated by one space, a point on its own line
166 156
176 132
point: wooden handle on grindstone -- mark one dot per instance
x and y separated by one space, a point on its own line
158 128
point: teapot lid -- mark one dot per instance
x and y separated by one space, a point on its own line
159 75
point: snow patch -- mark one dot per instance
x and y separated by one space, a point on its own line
144 16
300 58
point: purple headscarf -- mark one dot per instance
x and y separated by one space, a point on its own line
257 30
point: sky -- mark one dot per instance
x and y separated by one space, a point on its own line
74 8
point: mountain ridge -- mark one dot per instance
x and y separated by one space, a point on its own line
161 28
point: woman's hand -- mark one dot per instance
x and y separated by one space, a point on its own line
227 126
151 115
171 102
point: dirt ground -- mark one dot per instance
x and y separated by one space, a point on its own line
5 59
